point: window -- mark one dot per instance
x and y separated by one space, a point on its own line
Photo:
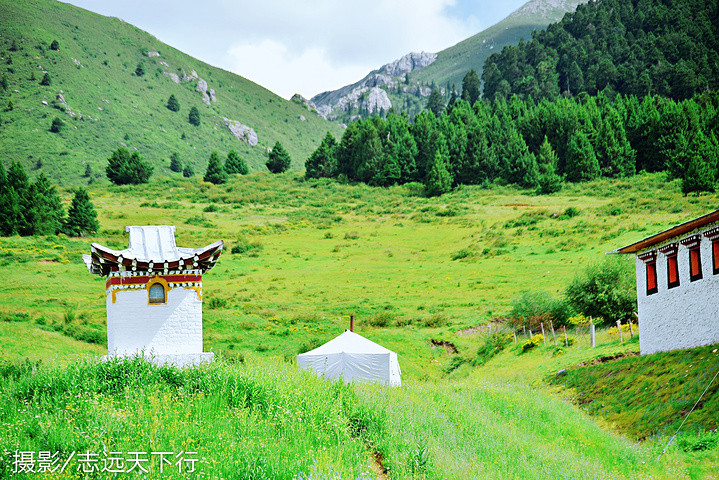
157 293
672 271
695 264
650 264
651 277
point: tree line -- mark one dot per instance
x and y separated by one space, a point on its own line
36 209
534 145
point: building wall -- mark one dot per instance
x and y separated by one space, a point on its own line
685 316
134 325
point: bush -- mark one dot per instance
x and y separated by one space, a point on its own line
606 290
140 69
55 45
533 342
533 307
57 125
175 164
243 245
46 81
493 345
188 172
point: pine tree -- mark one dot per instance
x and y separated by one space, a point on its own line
322 162
188 172
4 81
125 168
46 80
24 199
549 181
140 70
175 164
173 104
439 180
215 172
470 87
88 171
582 164
9 206
700 174
55 45
49 213
279 160
234 164
81 217
435 104
194 116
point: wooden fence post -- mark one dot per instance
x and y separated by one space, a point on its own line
566 340
619 328
554 335
515 337
592 333
543 337
524 329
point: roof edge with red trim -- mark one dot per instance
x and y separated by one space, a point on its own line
675 231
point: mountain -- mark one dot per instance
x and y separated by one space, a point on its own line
109 83
407 88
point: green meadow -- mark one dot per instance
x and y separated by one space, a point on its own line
425 277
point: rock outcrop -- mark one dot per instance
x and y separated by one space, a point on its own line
241 132
367 94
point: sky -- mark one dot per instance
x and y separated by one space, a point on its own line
309 46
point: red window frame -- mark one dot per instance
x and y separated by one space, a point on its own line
672 271
715 256
652 286
695 264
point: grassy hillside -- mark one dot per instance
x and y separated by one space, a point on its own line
424 277
108 105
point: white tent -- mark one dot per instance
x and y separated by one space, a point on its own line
355 359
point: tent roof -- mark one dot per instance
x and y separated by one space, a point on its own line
348 342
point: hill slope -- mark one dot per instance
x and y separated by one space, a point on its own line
407 82
96 90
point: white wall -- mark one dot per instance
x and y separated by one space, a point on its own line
685 316
172 328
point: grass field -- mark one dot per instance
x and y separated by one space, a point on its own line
417 273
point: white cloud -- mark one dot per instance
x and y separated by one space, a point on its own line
271 64
305 47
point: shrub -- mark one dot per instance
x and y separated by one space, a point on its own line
242 245
493 345
46 81
188 172
533 307
57 125
606 290
55 45
140 69
381 319
533 342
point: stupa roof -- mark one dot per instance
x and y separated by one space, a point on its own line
151 248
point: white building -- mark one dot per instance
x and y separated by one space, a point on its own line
154 295
677 280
